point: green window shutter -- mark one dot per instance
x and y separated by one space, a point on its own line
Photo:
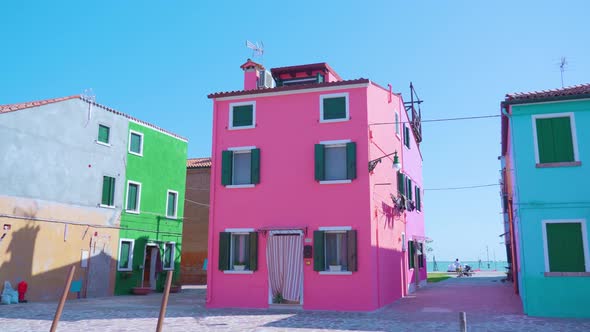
255 166
132 197
226 167
112 192
400 182
407 136
253 259
171 206
124 255
135 143
554 140
224 247
352 250
421 256
103 134
418 199
334 108
565 247
320 167
351 160
409 189
411 254
319 255
108 190
243 116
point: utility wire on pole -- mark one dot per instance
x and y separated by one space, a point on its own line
466 187
441 120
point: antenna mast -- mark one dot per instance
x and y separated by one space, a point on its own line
257 49
562 65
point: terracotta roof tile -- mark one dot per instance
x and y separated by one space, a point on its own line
198 163
22 106
582 89
287 88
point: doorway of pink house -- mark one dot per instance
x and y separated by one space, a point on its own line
284 256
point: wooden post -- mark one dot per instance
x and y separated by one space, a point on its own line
462 321
62 301
164 301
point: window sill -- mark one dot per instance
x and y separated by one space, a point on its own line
336 273
237 272
125 270
107 206
335 181
171 217
103 143
232 186
567 274
168 269
242 127
334 120
132 212
564 164
136 154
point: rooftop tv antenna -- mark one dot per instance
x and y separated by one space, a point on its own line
257 49
562 65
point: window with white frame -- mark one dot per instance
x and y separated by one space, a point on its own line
133 196
242 115
334 107
169 252
103 134
240 167
335 249
125 262
135 143
555 138
108 191
335 161
566 247
238 250
397 124
171 204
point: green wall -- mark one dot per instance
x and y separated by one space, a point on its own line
161 168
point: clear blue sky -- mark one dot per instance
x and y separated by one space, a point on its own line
158 60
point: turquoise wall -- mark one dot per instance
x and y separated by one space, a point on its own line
550 194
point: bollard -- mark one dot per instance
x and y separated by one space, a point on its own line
62 301
164 301
462 321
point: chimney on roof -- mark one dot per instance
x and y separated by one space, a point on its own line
251 74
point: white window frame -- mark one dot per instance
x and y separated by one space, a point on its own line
98 132
231 115
334 95
556 115
140 145
335 143
240 149
404 242
138 197
175 203
397 123
171 257
114 192
584 241
130 263
334 229
238 231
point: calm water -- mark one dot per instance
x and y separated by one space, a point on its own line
493 266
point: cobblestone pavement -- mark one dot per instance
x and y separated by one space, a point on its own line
490 306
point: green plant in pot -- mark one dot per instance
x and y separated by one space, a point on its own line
278 299
240 266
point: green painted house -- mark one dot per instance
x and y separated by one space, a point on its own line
150 239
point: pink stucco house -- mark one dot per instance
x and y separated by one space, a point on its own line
302 213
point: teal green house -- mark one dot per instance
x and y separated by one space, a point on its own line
150 239
546 196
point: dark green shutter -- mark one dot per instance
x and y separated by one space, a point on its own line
135 143
411 254
407 136
554 140
352 250
253 261
224 247
255 166
132 197
319 255
418 199
421 256
334 108
243 116
320 165
108 190
226 167
351 160
103 134
409 189
112 192
124 255
401 183
565 247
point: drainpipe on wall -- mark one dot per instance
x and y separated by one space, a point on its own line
404 268
212 179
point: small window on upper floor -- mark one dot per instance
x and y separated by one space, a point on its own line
334 108
242 115
335 161
555 139
240 167
407 136
171 204
397 124
136 143
103 134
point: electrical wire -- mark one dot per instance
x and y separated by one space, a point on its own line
466 187
440 120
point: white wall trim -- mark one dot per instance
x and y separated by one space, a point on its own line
131 131
241 148
335 95
238 186
335 228
172 256
230 125
138 197
175 203
152 127
239 230
555 115
584 240
336 273
130 262
238 272
292 92
336 142
335 181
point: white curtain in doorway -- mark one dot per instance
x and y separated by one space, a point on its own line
284 254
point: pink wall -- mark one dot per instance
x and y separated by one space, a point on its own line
287 127
387 223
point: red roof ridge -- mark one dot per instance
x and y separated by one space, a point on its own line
203 162
579 89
